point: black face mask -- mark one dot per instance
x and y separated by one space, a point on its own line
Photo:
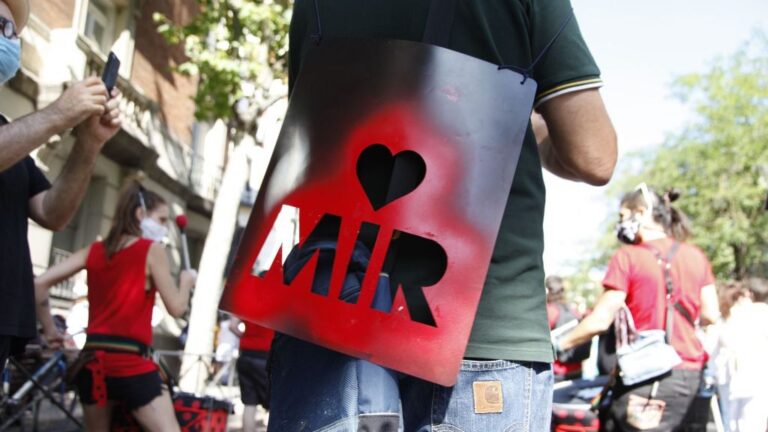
628 231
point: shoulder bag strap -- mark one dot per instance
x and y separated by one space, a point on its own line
528 71
624 327
666 266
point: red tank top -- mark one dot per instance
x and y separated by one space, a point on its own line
256 338
120 304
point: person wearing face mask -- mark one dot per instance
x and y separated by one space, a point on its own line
654 232
24 190
125 271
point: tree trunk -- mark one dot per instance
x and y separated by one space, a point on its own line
205 300
739 264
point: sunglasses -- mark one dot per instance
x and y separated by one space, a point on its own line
8 28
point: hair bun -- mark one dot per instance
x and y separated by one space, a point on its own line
673 194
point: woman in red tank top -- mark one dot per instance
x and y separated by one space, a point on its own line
125 271
655 234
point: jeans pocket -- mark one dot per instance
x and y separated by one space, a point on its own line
498 396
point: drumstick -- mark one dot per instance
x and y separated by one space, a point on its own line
181 222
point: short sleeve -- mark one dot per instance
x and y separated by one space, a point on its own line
37 180
618 275
568 66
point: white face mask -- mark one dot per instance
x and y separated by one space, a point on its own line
153 230
628 230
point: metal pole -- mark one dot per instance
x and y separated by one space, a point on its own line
45 391
20 393
716 415
185 251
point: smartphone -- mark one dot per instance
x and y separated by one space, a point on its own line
110 72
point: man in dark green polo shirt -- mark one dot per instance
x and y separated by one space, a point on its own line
509 352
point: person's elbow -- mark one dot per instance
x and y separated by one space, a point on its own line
54 223
178 313
177 310
47 214
605 311
600 178
583 139
597 322
598 170
710 316
602 325
176 306
710 305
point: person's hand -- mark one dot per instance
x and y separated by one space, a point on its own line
556 345
98 129
80 101
53 338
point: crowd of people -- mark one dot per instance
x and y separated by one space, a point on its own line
657 281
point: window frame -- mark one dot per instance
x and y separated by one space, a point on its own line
100 12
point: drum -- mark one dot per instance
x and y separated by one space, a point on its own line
201 414
572 402
195 414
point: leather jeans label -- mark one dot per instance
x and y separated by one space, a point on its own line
489 399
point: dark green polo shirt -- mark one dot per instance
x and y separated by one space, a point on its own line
511 320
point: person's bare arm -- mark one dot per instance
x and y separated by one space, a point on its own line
710 305
54 208
175 298
55 274
597 322
576 138
77 103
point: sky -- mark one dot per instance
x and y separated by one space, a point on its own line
640 47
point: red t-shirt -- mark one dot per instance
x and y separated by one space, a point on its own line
119 303
634 270
256 338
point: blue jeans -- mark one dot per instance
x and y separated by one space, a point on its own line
319 390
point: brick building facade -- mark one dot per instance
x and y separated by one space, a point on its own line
178 157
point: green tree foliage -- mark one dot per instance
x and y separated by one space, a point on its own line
720 160
583 287
235 47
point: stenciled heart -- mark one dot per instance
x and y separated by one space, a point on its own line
386 178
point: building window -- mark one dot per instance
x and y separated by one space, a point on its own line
99 24
108 25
